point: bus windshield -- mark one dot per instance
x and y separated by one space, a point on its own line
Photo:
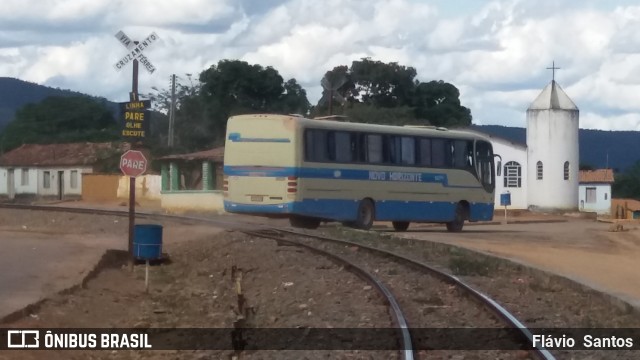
484 165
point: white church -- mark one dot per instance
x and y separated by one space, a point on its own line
544 175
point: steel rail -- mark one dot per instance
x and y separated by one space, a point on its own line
491 304
398 315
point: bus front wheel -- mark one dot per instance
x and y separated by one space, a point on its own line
458 222
304 222
366 215
400 225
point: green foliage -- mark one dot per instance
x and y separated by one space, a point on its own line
60 119
229 88
383 86
627 184
374 115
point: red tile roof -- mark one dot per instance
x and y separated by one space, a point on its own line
215 154
74 154
596 176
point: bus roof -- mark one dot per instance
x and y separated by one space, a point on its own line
417 130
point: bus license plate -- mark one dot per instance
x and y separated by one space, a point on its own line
257 198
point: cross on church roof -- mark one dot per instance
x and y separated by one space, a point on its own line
553 69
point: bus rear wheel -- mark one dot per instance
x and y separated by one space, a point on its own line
304 222
400 225
366 215
458 222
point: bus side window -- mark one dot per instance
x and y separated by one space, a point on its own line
407 150
425 152
392 149
343 147
461 154
374 149
315 145
438 153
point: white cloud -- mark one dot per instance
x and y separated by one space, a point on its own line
496 55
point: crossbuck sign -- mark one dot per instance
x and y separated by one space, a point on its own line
135 51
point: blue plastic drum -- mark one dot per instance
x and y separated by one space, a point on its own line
147 242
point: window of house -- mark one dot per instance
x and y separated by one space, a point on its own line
539 170
74 179
591 195
512 175
24 178
566 170
605 196
46 179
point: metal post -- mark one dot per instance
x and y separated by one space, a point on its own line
330 102
132 180
172 116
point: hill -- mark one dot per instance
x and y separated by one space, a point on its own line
616 149
15 93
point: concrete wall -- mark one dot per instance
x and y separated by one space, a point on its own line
511 152
54 180
195 200
100 187
603 198
30 181
28 186
552 138
147 187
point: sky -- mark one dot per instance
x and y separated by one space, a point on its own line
495 52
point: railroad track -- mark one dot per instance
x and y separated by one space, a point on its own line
303 239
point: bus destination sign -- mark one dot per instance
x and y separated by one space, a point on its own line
135 119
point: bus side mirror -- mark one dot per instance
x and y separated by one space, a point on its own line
499 168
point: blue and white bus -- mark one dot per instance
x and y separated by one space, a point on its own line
312 170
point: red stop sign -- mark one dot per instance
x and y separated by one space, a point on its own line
133 163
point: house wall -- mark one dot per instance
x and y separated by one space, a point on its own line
3 181
33 183
147 187
194 200
54 178
603 198
100 187
552 138
510 152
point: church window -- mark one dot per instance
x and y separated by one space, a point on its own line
539 170
566 170
512 175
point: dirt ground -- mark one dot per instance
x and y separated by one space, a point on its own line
196 290
582 250
284 287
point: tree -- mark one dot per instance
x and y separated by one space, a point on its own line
235 87
627 184
61 119
438 103
388 86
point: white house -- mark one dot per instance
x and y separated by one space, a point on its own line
595 190
53 170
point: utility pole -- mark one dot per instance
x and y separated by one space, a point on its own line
172 114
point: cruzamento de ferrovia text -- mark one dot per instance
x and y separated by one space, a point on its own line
96 341
588 342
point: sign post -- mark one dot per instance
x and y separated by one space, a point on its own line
132 164
505 200
136 122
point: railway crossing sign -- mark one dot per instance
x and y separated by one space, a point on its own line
136 119
133 163
135 51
